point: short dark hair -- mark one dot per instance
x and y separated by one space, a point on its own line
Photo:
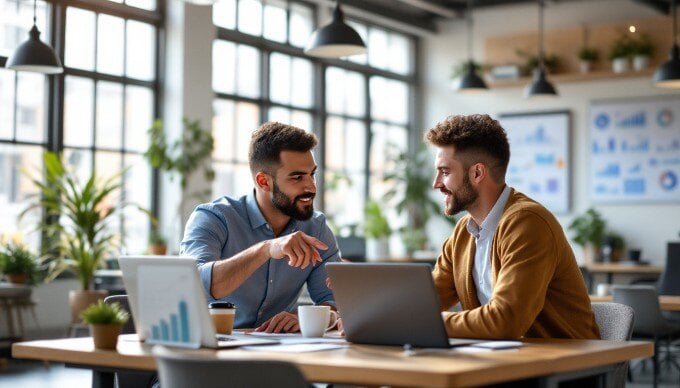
267 142
476 138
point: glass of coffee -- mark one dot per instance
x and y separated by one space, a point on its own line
222 314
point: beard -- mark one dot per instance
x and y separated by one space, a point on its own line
290 207
461 199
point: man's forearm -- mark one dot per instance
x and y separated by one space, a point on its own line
228 274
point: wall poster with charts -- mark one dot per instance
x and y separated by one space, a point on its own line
539 156
635 150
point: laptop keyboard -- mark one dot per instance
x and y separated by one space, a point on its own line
224 337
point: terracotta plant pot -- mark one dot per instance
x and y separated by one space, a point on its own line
105 336
79 300
158 249
17 278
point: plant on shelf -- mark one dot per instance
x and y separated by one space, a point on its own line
642 50
78 235
410 176
158 244
589 231
531 62
106 321
613 246
462 68
18 262
620 53
587 56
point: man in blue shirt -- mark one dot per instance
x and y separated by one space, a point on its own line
257 251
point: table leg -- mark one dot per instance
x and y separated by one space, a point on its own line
102 379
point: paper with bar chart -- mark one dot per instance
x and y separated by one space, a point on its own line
635 150
168 312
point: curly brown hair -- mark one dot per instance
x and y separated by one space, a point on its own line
267 142
476 138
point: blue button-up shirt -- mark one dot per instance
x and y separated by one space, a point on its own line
227 226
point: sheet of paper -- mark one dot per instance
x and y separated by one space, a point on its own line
297 338
294 348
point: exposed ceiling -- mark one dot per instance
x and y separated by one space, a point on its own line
423 14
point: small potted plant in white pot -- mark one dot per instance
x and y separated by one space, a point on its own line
620 53
642 50
106 321
587 57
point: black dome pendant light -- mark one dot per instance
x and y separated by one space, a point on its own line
33 55
470 82
668 74
336 39
540 87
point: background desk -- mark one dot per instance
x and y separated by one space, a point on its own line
667 302
546 360
610 269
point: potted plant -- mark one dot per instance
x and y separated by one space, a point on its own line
181 158
531 62
18 263
641 50
377 232
620 53
158 245
587 56
613 246
589 231
77 236
106 321
410 176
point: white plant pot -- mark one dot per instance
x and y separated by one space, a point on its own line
585 66
620 65
377 250
640 62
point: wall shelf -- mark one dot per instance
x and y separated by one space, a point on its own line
575 77
565 43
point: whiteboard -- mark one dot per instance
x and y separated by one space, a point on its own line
635 150
539 156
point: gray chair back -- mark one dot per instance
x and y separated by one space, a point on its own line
122 300
616 324
180 370
668 283
645 301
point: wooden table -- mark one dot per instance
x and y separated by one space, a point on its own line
548 361
667 302
610 269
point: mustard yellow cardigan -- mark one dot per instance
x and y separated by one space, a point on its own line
538 289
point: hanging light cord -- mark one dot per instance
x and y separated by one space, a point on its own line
675 22
35 12
541 63
469 28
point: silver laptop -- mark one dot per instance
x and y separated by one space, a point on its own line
169 305
390 304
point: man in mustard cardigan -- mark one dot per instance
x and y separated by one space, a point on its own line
508 261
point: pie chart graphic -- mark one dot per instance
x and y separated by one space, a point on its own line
668 180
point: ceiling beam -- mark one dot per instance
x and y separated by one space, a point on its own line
432 8
420 22
658 5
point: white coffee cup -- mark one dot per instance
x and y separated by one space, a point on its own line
316 320
603 289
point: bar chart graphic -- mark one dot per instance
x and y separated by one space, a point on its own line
168 309
174 329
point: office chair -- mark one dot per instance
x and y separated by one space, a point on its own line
616 324
649 323
180 370
668 283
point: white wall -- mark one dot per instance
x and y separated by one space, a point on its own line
644 226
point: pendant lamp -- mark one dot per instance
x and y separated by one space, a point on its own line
335 39
34 55
540 87
668 74
470 82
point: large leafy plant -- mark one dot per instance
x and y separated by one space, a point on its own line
77 234
589 228
411 176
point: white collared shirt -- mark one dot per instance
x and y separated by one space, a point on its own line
483 237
